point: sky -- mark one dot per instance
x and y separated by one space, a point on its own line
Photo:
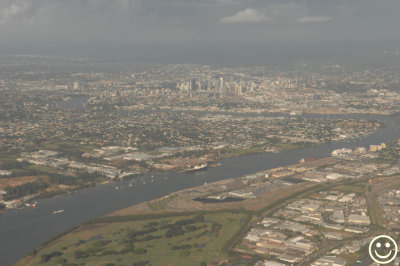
190 31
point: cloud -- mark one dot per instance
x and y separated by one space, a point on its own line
275 13
248 15
11 9
82 26
314 19
227 1
18 12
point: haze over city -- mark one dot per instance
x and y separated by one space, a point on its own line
206 31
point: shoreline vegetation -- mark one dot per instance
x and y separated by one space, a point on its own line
203 235
176 229
187 237
51 183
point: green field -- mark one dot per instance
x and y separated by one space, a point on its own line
351 188
176 240
375 211
51 145
42 168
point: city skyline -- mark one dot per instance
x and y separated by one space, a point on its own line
199 132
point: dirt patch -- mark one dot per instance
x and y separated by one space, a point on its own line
135 209
17 181
186 203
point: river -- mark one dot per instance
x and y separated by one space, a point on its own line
23 230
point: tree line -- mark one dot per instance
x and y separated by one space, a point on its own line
24 189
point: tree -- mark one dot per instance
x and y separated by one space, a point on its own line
24 189
140 250
140 263
33 252
174 230
199 217
184 253
62 179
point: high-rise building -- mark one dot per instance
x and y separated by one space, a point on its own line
199 85
209 85
129 140
237 88
221 84
193 84
76 85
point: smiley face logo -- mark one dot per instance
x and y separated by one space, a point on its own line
383 249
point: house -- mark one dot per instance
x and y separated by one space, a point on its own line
359 219
329 261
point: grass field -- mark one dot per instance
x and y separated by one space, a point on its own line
43 168
179 240
359 189
375 210
67 145
6 158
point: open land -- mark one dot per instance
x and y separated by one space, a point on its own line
301 214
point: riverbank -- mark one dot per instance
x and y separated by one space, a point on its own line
23 230
228 216
159 225
179 207
211 158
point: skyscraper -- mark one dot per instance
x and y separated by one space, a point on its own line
76 85
193 84
209 84
221 84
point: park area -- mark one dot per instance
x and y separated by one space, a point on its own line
165 239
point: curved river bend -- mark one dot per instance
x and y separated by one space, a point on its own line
23 230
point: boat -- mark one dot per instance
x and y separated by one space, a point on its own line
32 204
58 211
196 168
309 159
215 165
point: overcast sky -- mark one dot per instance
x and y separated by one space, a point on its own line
195 30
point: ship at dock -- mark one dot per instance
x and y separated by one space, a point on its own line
196 168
